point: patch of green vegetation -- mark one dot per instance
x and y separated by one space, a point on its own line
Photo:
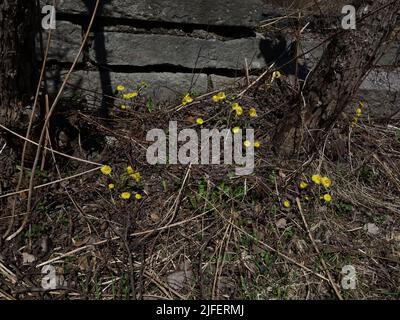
272 177
367 174
398 135
343 208
216 197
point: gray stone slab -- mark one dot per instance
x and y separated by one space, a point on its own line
162 86
310 46
65 42
150 50
206 12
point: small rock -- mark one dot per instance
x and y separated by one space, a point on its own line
281 223
371 228
27 258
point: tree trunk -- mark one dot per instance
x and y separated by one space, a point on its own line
17 67
337 77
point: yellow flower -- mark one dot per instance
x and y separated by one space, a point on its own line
327 197
303 185
130 95
316 178
257 144
120 87
287 204
276 74
253 113
235 105
130 170
111 186
247 143
187 99
200 121
239 111
219 97
236 129
124 107
106 170
136 176
126 195
138 196
326 182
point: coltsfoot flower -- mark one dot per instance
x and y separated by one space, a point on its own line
130 95
316 178
187 99
303 185
287 204
106 170
326 182
126 195
253 113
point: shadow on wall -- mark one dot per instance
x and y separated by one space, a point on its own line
101 55
283 54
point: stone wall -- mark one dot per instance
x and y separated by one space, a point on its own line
175 46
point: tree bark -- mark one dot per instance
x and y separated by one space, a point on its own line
337 77
17 64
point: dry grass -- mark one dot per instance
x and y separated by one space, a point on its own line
199 231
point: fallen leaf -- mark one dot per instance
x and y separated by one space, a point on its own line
178 279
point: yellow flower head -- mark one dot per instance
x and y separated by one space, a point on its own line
239 111
106 170
124 107
187 99
247 143
326 182
215 99
136 176
276 74
253 113
235 129
199 121
303 185
138 196
358 111
257 144
130 95
316 178
120 88
221 96
126 195
130 170
287 204
327 197
111 186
